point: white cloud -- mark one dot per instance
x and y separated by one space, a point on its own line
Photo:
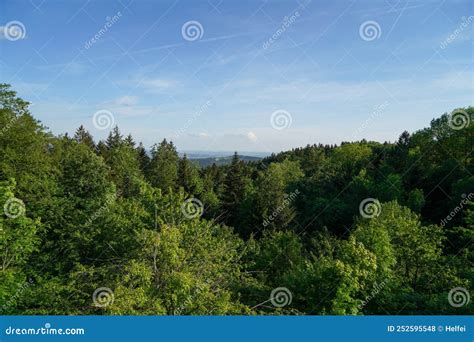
156 85
127 105
135 110
251 136
127 100
70 68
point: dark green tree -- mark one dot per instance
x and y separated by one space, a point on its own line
163 168
188 176
143 158
235 187
84 137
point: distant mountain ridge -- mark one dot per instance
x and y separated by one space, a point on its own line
196 154
204 162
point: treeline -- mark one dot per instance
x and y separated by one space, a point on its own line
108 228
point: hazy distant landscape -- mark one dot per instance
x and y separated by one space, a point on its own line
221 160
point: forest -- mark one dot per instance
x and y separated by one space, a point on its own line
113 227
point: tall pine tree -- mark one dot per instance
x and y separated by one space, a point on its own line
188 176
163 168
84 137
234 189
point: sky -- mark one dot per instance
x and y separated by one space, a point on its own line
239 75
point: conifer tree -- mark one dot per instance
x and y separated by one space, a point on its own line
114 139
163 168
129 141
234 189
143 158
188 176
84 137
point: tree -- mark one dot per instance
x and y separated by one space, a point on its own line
27 153
19 238
125 169
85 189
332 284
188 176
235 186
115 139
143 158
409 256
163 168
84 137
416 200
275 197
19 233
129 141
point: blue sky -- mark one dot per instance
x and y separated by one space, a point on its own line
326 78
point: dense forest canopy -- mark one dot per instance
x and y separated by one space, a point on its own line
108 227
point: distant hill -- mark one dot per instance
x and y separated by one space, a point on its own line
203 162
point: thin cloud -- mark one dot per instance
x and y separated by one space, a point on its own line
157 85
127 100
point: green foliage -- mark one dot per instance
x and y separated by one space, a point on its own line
235 190
162 170
105 216
275 194
84 137
18 233
188 177
19 238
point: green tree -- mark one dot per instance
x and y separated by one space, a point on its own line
163 168
125 169
235 186
19 238
188 177
143 158
84 137
27 153
276 194
115 139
